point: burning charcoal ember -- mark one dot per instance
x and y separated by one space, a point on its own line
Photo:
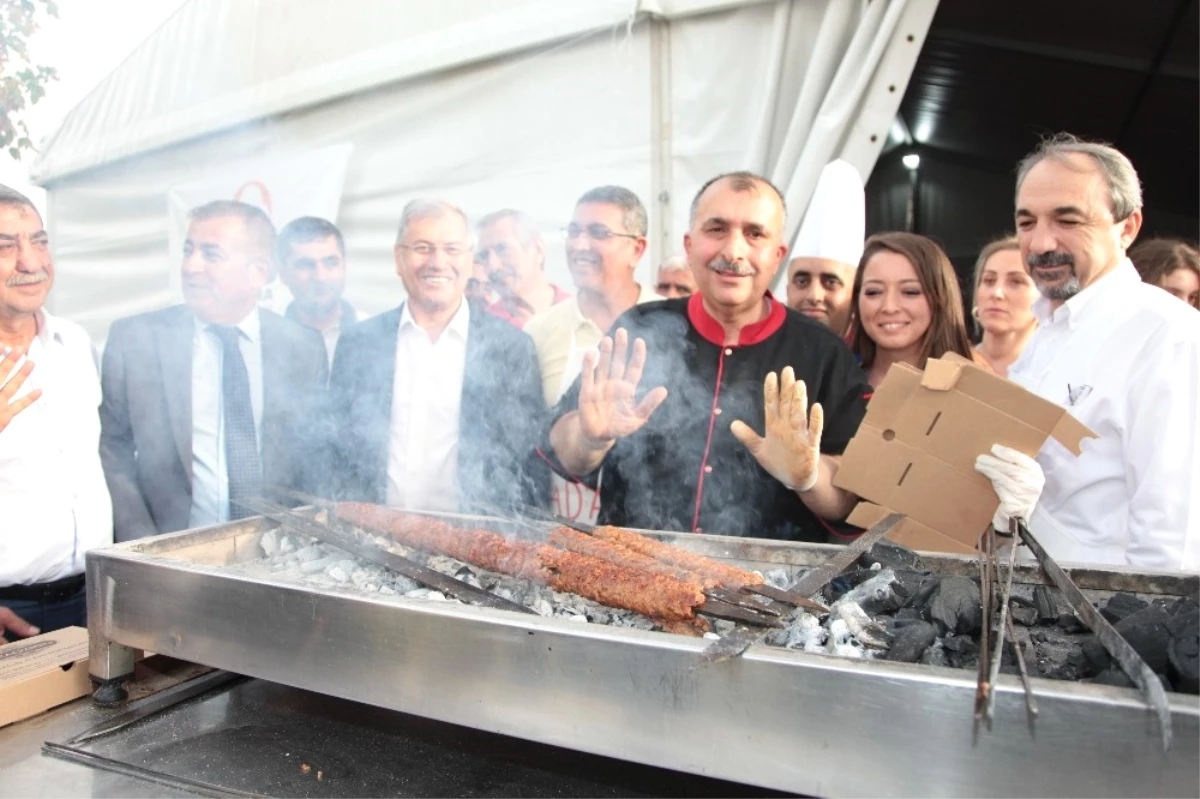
1147 631
911 641
542 607
806 633
1183 652
577 617
311 552
417 593
956 605
269 542
879 594
865 630
1047 606
1122 606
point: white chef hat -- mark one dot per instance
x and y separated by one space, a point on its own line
836 223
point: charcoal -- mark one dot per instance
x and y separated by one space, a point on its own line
961 644
911 642
882 593
1024 616
893 556
1113 677
1047 606
1183 652
935 655
956 605
1070 623
1097 656
924 591
1183 605
1121 606
908 614
1148 633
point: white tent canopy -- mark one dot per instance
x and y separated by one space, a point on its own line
488 103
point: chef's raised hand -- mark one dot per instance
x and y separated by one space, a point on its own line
790 449
11 380
608 409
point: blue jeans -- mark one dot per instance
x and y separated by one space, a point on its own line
49 616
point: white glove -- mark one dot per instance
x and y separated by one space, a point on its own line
1017 479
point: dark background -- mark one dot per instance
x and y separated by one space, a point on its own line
995 76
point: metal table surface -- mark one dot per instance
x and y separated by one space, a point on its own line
259 737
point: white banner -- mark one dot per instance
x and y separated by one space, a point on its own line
308 184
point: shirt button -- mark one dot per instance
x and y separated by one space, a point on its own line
708 470
728 351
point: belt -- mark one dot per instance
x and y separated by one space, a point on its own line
56 591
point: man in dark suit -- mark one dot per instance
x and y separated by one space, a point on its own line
438 405
208 402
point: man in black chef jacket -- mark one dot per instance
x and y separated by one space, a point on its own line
653 421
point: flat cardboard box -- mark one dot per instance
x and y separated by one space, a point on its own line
915 451
42 672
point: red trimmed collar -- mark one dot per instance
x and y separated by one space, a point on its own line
710 329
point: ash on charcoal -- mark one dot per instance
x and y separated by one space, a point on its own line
1147 631
865 630
1025 616
777 578
911 641
1183 652
1122 606
956 605
935 655
882 593
804 633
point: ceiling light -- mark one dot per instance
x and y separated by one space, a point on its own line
912 160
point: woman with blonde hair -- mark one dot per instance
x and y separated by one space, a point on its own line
908 307
1003 304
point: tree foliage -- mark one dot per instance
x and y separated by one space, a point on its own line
22 83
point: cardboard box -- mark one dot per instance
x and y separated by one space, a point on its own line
915 451
42 672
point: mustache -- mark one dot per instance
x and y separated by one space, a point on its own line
726 267
27 278
584 257
1050 259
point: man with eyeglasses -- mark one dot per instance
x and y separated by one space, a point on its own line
211 401
668 413
436 404
605 242
54 505
514 255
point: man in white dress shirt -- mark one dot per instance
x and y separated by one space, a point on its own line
1122 356
437 403
54 505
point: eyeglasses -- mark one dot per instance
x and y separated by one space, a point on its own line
594 232
425 249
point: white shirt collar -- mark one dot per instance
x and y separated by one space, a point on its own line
251 326
47 326
1097 294
459 323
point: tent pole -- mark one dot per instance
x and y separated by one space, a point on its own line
661 179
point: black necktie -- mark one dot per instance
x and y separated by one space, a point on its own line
242 463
